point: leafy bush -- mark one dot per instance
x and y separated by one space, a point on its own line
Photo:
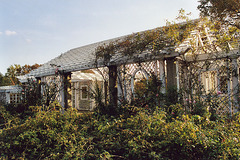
7 119
49 135
53 135
148 93
174 111
11 114
30 93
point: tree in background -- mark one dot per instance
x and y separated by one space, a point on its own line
15 70
12 72
225 11
27 68
3 80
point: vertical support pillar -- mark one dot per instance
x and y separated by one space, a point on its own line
105 91
112 86
7 95
229 91
185 85
177 75
62 95
171 73
235 83
39 90
68 88
66 85
64 89
119 87
156 68
162 75
119 83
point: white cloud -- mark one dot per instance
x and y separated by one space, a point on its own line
10 33
0 33
28 40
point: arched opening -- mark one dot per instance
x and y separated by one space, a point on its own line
137 79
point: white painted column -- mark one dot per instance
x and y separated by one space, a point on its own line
120 84
7 97
177 73
62 94
162 75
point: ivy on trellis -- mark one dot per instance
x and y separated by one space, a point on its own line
202 45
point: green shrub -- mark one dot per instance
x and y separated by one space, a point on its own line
7 119
53 135
173 111
49 135
148 93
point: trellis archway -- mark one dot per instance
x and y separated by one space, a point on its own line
137 76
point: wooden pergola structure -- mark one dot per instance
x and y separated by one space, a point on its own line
165 64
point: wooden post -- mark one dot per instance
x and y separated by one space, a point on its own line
112 86
62 94
64 89
7 95
39 87
105 91
229 90
68 90
162 75
66 85
171 73
119 86
235 83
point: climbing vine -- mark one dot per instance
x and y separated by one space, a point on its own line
201 46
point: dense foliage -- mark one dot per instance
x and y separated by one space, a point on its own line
152 126
160 135
226 11
3 80
15 70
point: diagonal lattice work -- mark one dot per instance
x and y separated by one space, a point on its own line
210 83
128 74
51 87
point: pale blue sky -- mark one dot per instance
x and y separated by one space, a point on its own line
36 31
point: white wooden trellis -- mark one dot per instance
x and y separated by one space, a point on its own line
156 67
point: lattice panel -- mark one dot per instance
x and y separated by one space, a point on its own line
103 72
210 81
52 84
131 68
127 73
150 66
3 98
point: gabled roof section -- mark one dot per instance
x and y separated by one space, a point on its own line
76 59
24 78
84 57
13 89
206 39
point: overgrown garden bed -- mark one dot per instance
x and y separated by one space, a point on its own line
137 135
